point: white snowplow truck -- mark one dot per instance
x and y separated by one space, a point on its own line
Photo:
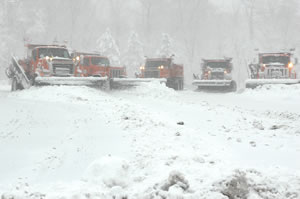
273 68
216 75
47 65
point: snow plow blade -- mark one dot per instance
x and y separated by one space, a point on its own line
117 83
253 83
215 84
99 82
16 74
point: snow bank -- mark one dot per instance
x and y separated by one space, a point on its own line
4 85
240 184
275 90
111 171
176 186
67 94
279 97
153 89
163 159
252 184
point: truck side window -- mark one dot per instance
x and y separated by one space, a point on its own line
34 55
86 61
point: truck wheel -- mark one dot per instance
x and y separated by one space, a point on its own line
14 84
177 85
181 84
233 86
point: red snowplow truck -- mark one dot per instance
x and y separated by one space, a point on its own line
216 75
95 65
165 70
273 68
46 65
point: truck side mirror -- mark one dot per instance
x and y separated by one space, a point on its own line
296 60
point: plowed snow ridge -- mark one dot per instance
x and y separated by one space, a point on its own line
81 142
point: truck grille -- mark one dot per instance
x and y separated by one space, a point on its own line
277 73
217 75
152 74
62 69
115 73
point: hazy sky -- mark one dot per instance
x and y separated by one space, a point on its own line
225 4
197 28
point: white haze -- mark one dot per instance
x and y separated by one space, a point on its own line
198 28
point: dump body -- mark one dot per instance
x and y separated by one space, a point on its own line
164 68
273 68
215 74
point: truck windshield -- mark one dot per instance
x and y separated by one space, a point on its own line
217 64
100 61
155 64
53 52
275 59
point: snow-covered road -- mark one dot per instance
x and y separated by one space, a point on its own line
66 141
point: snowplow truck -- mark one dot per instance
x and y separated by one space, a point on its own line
216 75
46 65
273 68
163 70
95 65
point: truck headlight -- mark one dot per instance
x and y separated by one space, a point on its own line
48 59
291 65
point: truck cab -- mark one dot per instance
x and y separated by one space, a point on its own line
216 75
216 69
47 61
274 66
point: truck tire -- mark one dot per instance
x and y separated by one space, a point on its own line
176 84
233 86
180 84
14 84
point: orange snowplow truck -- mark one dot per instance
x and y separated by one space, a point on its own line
95 65
164 68
273 68
47 60
46 65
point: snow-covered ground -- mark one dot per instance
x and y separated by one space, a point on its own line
150 142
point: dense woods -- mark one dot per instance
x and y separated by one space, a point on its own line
197 28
